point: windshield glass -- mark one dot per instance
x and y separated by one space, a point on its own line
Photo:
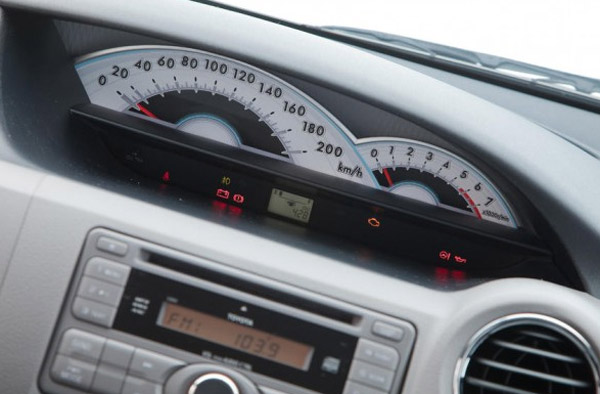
555 34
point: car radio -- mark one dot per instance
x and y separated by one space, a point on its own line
141 318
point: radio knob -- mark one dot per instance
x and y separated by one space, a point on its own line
213 383
209 379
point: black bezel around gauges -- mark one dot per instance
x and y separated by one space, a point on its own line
245 180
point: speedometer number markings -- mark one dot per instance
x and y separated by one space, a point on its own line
225 100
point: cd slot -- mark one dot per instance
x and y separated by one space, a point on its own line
249 287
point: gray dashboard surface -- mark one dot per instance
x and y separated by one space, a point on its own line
576 125
47 225
62 212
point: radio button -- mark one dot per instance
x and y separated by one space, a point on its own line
112 246
371 375
93 312
153 366
139 386
355 388
108 380
377 354
107 270
388 331
100 291
117 354
81 345
71 372
331 365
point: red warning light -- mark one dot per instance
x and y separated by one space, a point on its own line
222 193
444 255
374 222
458 276
166 177
239 198
234 211
460 260
442 274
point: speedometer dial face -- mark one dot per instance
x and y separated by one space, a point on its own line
225 100
240 105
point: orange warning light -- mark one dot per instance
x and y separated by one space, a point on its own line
374 222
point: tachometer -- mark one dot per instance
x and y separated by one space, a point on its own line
225 100
430 174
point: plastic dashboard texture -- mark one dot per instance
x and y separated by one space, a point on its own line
51 215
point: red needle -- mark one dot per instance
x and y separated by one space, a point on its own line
146 111
470 201
388 177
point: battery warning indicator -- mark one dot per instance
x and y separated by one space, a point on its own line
290 205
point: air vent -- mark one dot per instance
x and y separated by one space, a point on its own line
528 354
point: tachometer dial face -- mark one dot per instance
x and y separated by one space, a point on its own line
240 105
430 174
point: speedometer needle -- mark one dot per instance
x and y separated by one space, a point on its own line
146 111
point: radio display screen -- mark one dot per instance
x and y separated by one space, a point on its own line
236 336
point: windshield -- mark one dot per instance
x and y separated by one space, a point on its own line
554 34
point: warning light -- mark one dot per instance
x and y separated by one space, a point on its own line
445 275
460 260
442 274
444 255
234 211
226 181
166 177
239 198
374 222
222 193
219 206
458 276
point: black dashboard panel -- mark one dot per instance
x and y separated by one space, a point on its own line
340 208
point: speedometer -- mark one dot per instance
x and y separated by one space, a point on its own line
240 105
225 100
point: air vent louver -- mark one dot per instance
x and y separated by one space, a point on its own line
529 356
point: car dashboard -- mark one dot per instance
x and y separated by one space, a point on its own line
191 208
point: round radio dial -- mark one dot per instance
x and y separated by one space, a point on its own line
213 383
209 379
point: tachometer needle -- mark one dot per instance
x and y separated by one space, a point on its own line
388 177
146 111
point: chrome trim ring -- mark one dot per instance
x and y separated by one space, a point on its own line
524 318
214 376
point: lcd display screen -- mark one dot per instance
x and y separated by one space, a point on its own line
290 205
236 336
